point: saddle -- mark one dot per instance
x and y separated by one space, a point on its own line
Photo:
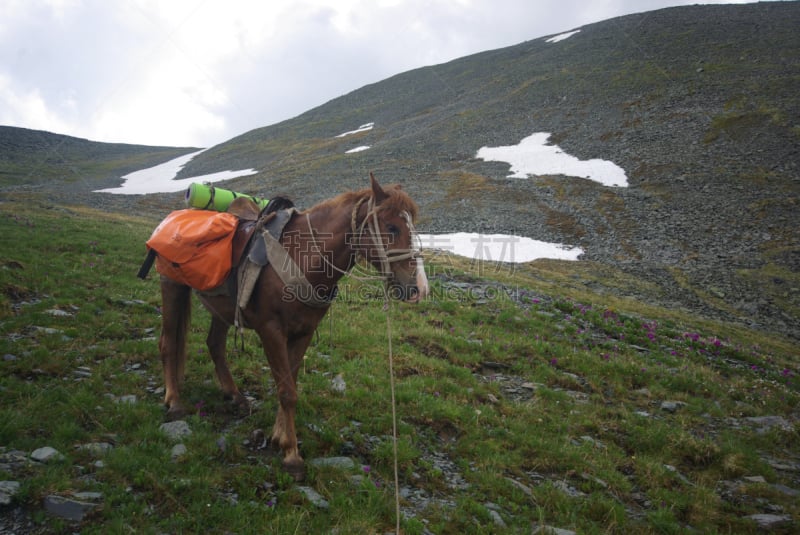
261 247
250 218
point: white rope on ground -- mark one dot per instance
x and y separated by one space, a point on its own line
387 307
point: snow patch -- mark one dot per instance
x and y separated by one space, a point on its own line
160 179
362 128
533 156
498 247
561 37
357 149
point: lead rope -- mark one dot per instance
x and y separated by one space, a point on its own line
387 306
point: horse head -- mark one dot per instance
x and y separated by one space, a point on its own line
391 244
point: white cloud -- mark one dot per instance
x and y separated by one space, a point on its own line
28 107
198 72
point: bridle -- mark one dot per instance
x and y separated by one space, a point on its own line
370 224
386 256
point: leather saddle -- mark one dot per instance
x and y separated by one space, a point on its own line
273 218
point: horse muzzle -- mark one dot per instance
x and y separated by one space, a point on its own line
412 292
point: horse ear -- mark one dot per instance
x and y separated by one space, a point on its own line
377 190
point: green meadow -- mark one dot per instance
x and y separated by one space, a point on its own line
522 399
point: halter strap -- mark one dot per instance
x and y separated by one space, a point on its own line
370 223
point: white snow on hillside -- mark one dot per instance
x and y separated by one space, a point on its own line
159 179
362 128
498 247
533 156
561 37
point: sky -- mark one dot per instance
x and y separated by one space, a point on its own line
199 72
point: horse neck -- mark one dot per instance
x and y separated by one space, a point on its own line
328 228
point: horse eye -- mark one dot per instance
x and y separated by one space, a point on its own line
393 230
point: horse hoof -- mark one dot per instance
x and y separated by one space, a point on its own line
296 470
239 405
176 412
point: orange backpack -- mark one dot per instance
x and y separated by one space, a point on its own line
194 247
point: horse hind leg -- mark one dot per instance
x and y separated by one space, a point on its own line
175 319
217 337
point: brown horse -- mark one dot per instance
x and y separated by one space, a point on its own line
325 241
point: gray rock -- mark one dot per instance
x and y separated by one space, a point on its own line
768 521
764 424
596 443
176 430
521 486
338 384
68 508
783 489
497 519
178 451
314 497
89 496
46 330
567 489
46 455
96 449
82 372
58 313
129 399
494 512
341 463
672 406
8 489
550 530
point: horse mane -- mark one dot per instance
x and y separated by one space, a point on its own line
398 200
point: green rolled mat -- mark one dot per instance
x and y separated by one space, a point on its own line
207 197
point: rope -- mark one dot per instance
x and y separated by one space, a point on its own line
387 306
386 257
211 192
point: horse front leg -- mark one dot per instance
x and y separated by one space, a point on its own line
284 433
175 318
216 340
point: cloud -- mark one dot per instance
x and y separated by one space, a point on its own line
198 72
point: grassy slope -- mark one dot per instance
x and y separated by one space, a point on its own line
37 158
543 390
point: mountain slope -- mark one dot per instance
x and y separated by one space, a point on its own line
33 158
698 104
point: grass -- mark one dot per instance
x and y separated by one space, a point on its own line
519 391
